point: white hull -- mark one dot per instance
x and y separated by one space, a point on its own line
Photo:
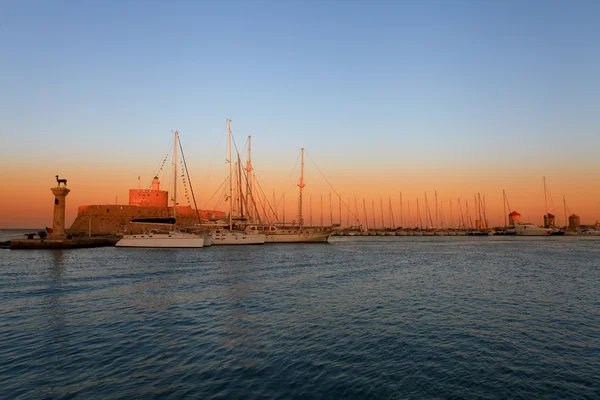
292 234
401 233
162 240
532 230
222 237
302 237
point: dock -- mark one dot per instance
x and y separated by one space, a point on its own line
75 243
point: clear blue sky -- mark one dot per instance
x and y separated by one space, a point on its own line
349 80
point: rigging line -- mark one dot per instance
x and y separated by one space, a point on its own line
279 200
189 180
266 199
216 191
162 161
245 176
331 186
223 195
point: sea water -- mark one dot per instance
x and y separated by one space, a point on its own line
385 317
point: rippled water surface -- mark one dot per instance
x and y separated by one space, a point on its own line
359 318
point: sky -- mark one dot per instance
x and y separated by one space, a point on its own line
453 97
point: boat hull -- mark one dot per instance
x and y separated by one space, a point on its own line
302 237
162 241
236 238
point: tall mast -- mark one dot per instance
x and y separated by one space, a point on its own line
366 216
239 187
485 220
401 213
340 202
249 190
356 209
275 206
310 205
382 221
321 210
451 216
419 215
462 218
566 218
301 185
330 210
477 212
546 202
230 173
437 223
374 217
393 226
348 213
504 206
283 208
176 141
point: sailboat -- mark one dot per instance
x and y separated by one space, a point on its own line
169 237
227 235
295 233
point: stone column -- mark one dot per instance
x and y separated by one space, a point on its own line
58 223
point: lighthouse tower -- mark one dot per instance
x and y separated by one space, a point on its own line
58 221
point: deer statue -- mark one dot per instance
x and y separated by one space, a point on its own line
59 181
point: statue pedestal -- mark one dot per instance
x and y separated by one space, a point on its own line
58 222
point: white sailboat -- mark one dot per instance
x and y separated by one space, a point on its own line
169 238
230 236
294 233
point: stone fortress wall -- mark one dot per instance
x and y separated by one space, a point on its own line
114 219
143 203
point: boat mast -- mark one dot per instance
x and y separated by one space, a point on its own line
340 202
230 172
419 215
546 203
374 215
504 206
366 216
566 218
462 218
393 223
321 210
301 185
176 141
356 209
330 210
348 214
249 190
451 216
401 213
275 206
382 220
239 186
310 205
437 224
